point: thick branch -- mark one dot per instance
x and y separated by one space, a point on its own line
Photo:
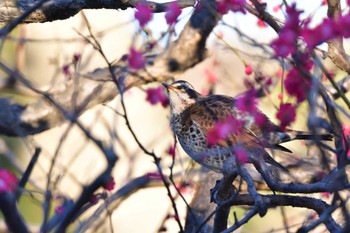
336 51
271 201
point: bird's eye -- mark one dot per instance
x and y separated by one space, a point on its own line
179 87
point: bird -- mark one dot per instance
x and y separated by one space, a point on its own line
193 115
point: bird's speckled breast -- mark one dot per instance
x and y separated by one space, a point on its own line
194 143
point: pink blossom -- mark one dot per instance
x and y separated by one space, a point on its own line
296 85
135 59
261 24
277 8
8 181
212 78
172 13
171 150
260 119
222 130
76 57
344 24
231 5
286 115
66 70
286 43
346 130
157 95
248 69
327 30
247 102
110 185
143 14
325 194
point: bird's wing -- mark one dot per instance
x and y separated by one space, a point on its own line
212 109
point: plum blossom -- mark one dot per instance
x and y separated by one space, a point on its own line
109 185
143 14
225 6
223 129
172 13
8 181
247 102
157 95
135 59
286 115
286 42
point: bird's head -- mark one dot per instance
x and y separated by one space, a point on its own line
181 95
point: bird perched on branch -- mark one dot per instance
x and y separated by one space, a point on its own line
194 116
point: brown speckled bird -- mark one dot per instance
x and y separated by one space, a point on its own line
193 115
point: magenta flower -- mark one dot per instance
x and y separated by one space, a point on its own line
110 185
296 85
327 30
286 42
157 95
172 13
171 150
277 8
260 119
247 102
261 24
248 69
66 70
222 130
212 78
286 115
346 130
76 57
344 24
8 181
135 59
231 5
143 14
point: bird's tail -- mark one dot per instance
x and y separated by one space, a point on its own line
290 135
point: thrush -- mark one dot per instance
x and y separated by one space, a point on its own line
193 115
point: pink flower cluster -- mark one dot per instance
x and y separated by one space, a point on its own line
225 6
223 129
136 60
286 115
110 184
157 95
327 30
144 14
286 42
8 181
296 84
172 13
